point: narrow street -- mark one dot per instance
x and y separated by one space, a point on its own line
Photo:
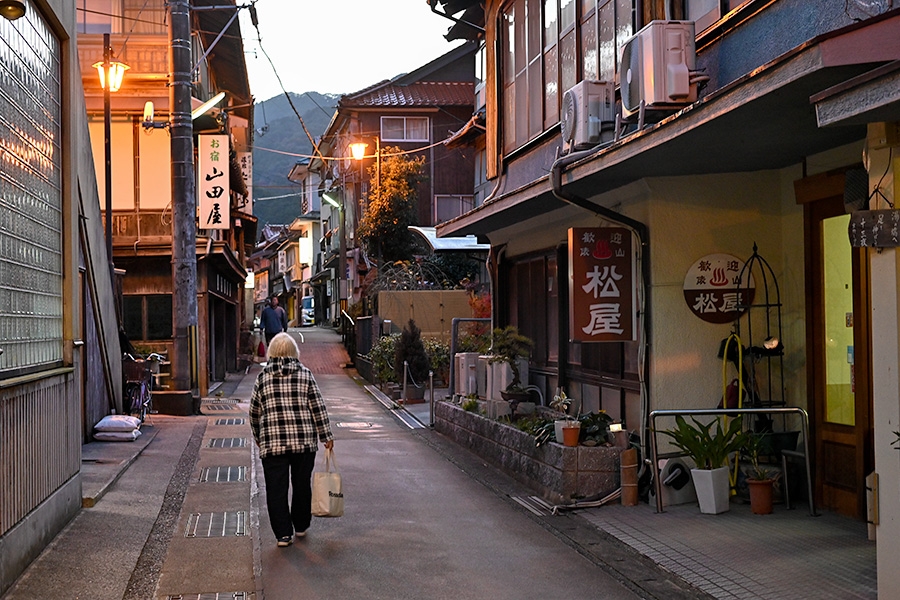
415 524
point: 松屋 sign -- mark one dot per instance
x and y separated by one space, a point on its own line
213 193
602 299
714 291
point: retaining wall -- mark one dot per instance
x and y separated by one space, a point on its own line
557 473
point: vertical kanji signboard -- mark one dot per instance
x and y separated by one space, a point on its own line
602 300
213 182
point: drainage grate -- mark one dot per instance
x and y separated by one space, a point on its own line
221 400
354 425
208 525
212 596
227 443
233 421
535 504
223 474
210 406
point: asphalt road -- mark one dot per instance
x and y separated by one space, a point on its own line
417 526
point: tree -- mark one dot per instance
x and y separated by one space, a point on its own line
392 206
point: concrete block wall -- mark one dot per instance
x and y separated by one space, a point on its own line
557 473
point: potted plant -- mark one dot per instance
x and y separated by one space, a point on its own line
561 403
760 479
510 346
709 449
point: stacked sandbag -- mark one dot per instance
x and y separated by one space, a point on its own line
117 428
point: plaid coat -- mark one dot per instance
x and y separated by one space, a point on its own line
287 412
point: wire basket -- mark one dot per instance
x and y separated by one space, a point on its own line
135 370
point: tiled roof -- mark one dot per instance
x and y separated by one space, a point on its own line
422 93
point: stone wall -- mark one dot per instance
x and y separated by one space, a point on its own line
557 473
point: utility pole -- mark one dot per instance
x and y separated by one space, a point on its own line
184 210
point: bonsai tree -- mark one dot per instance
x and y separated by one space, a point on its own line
509 346
411 349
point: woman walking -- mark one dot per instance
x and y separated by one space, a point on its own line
288 419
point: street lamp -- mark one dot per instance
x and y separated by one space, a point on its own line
12 9
358 151
111 75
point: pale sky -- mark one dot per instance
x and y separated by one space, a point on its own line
339 46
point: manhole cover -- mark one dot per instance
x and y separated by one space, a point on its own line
223 474
233 421
207 525
227 443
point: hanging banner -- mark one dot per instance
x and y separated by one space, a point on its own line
245 160
602 275
213 189
713 290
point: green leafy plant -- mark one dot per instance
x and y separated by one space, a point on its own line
594 428
508 347
561 403
438 353
382 357
470 405
708 448
754 445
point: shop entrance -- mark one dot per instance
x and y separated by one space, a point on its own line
838 348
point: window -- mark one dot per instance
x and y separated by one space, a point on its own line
404 129
546 47
448 207
31 201
147 317
120 16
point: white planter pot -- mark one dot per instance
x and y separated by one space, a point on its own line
557 428
712 489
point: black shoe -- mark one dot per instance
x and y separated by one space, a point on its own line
285 541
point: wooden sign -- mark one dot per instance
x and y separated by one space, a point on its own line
602 298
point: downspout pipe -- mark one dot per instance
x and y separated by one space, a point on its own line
643 236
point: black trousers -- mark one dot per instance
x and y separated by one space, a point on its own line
294 469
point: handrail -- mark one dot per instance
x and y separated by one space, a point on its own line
804 425
348 317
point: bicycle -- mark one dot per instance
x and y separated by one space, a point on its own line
137 399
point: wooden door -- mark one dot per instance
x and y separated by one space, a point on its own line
838 352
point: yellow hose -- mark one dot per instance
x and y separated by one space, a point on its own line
740 365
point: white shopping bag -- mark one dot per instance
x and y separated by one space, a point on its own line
327 493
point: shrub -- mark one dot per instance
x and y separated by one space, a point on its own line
438 357
411 349
382 357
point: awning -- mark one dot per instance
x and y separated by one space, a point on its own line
473 129
466 243
761 121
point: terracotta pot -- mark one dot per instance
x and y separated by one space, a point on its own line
570 435
761 496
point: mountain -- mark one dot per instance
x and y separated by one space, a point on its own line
277 128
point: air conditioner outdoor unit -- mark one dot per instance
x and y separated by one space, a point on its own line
658 68
588 114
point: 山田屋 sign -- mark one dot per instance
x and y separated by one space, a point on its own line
213 182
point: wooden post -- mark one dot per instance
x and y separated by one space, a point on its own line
629 477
